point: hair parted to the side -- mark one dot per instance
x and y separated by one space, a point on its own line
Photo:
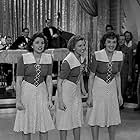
40 35
72 42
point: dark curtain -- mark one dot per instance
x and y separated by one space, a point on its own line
90 6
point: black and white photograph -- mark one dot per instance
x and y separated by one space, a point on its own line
69 70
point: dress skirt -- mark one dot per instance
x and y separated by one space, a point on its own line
72 117
105 111
36 116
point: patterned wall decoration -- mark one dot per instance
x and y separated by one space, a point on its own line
18 14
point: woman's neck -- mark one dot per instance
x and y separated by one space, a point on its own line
109 54
77 56
37 56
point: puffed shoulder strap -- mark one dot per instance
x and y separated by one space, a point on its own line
101 56
28 58
72 60
46 59
118 56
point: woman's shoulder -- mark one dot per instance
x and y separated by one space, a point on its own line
72 60
100 52
118 56
100 55
28 58
46 58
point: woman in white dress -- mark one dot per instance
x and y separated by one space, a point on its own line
104 88
69 114
34 90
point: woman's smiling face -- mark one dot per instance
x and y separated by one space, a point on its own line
111 44
80 47
38 45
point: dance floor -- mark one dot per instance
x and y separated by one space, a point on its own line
128 130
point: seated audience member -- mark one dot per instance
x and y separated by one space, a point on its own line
2 42
108 28
126 70
137 66
6 43
22 41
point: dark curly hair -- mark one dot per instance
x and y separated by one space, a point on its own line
40 35
72 42
109 26
131 36
110 35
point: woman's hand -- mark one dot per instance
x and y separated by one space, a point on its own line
120 99
61 105
89 102
19 106
50 104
